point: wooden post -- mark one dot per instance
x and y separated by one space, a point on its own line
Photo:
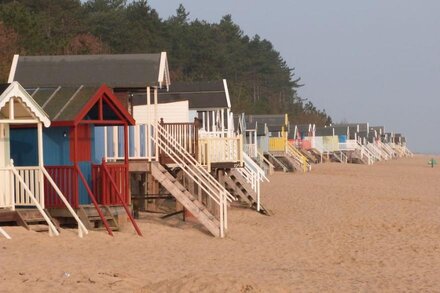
127 190
105 143
155 119
148 132
11 109
75 164
40 162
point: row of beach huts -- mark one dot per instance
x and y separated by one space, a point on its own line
94 142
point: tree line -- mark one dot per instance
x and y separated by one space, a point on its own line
260 81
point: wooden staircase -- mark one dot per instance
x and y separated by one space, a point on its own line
300 162
357 157
92 220
29 218
292 162
215 193
277 162
238 186
189 201
11 217
317 154
339 156
310 156
33 220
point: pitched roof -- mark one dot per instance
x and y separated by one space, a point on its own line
117 71
200 95
15 90
274 122
362 126
324 131
68 104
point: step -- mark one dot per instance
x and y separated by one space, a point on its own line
195 207
35 220
250 197
39 228
98 218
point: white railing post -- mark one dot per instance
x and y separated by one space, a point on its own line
12 190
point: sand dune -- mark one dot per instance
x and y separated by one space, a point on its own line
341 228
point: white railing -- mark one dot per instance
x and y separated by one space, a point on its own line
32 179
254 175
194 170
365 154
265 163
344 157
14 172
141 145
215 149
402 151
385 148
374 152
340 156
251 150
24 186
348 145
382 152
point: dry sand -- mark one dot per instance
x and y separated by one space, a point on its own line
341 228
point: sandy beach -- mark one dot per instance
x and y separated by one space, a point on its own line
340 228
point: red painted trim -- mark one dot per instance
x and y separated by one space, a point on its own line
84 137
61 123
102 122
118 108
100 110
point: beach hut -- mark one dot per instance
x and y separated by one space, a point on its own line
23 184
255 140
220 145
209 103
98 191
280 151
297 136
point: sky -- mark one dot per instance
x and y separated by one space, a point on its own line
375 61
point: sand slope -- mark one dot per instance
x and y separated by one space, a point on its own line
340 228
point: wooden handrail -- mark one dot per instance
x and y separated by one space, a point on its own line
95 203
124 204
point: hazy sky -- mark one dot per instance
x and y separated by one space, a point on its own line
375 61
